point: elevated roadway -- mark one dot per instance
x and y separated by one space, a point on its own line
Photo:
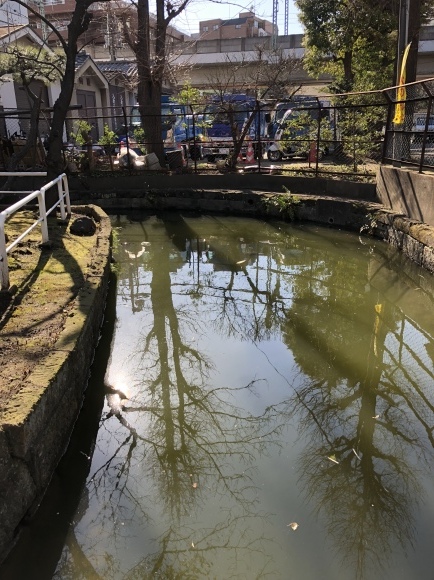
206 58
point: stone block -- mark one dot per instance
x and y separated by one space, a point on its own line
428 259
412 249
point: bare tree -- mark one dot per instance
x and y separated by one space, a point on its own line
26 65
149 44
79 23
266 78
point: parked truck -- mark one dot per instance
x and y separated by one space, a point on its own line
228 115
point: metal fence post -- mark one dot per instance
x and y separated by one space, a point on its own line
65 185
61 199
4 270
43 214
318 138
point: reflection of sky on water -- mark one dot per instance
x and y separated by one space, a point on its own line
195 475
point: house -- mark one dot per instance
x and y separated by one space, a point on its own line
92 94
12 95
122 76
91 91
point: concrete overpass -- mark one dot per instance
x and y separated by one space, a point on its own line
204 58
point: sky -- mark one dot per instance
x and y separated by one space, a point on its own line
198 10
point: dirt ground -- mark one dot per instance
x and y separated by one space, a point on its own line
44 281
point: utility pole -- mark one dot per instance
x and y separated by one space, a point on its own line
408 32
286 18
110 35
402 36
41 10
275 10
413 30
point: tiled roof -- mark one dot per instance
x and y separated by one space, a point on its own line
112 69
80 59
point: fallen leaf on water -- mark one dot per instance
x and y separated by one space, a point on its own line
356 454
333 458
293 526
192 545
376 417
194 485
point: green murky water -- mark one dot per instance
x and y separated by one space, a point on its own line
268 412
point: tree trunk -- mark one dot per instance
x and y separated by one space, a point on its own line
150 74
55 162
239 140
55 159
149 97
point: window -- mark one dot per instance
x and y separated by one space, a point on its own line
205 29
237 25
215 27
256 24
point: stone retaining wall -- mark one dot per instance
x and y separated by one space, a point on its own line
354 206
32 443
412 236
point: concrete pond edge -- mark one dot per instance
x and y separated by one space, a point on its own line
31 450
33 440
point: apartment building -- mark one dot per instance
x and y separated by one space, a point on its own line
247 25
104 39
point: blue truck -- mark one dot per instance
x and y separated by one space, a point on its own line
221 113
179 128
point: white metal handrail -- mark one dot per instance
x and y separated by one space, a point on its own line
63 194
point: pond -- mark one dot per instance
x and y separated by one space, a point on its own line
260 407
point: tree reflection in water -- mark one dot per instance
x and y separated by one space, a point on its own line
175 445
185 439
366 410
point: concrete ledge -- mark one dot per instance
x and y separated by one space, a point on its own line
407 192
358 213
33 440
91 188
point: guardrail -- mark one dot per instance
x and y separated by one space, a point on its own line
64 200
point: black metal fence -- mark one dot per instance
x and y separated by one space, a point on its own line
409 138
338 135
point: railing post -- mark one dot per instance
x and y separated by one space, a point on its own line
61 198
43 215
4 270
318 138
194 142
66 190
63 192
